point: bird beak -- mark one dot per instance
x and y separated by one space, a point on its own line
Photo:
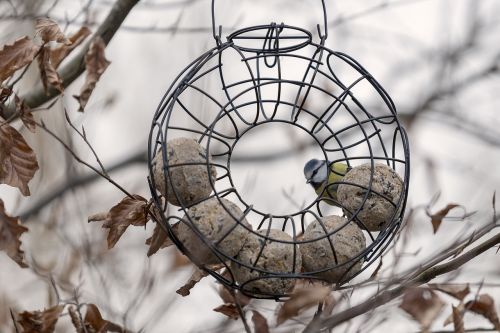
308 181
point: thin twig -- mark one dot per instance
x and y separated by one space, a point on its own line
56 291
78 159
371 10
83 135
14 320
78 181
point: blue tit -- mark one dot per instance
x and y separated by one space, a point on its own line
321 174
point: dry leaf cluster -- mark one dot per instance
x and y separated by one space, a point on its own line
45 321
424 305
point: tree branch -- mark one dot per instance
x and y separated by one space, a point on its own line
424 277
73 69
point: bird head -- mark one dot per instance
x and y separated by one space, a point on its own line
316 171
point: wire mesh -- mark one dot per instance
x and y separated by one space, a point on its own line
267 74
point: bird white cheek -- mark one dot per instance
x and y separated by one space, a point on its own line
322 175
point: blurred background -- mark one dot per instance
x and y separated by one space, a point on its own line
438 60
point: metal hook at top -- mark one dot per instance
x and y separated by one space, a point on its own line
217 32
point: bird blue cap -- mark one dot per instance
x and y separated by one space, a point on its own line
311 170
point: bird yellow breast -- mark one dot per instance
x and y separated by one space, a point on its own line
329 190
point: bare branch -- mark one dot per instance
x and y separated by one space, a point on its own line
79 181
424 277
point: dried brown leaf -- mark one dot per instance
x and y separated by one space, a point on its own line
25 114
423 304
459 291
458 320
259 323
196 277
98 217
179 260
4 94
60 53
18 163
96 63
16 56
485 306
93 319
227 296
301 299
129 211
10 231
437 218
40 321
329 304
229 309
375 272
460 309
159 239
49 75
49 31
75 320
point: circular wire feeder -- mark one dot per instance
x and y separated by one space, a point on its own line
266 74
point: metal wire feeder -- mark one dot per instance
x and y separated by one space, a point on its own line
285 75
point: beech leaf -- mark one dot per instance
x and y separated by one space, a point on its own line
49 75
18 163
93 320
459 309
437 218
75 320
229 309
10 231
423 305
377 270
96 63
329 304
49 31
16 56
231 302
129 211
40 321
458 320
301 299
4 94
259 322
60 53
180 260
485 306
227 297
25 114
159 239
196 277
458 291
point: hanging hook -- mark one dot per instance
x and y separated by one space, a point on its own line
218 39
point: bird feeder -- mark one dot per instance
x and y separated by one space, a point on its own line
276 73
